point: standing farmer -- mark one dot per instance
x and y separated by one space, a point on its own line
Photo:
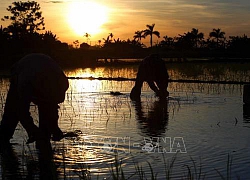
35 78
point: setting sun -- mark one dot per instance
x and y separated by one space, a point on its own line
86 17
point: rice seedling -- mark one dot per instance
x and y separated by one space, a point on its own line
139 172
228 169
194 172
116 170
153 175
168 166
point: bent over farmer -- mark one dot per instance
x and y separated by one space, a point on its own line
35 78
153 71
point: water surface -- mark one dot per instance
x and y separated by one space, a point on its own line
203 122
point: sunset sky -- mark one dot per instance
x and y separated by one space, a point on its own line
71 19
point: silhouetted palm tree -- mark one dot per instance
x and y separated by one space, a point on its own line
111 35
198 37
138 36
217 34
118 40
87 35
99 42
108 39
150 31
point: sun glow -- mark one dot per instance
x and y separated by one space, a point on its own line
87 17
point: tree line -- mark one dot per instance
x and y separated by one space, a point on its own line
26 33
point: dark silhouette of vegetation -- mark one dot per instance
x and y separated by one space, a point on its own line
197 37
150 32
87 35
239 43
190 40
26 18
138 36
218 35
26 33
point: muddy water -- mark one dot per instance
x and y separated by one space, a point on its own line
204 123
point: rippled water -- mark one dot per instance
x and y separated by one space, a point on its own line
205 123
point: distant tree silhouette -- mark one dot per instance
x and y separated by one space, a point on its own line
190 40
76 44
84 46
3 34
239 43
118 40
108 40
49 36
111 35
50 41
3 40
197 37
150 32
26 18
217 34
99 42
138 36
87 35
135 43
167 42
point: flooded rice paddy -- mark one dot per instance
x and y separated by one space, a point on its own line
202 128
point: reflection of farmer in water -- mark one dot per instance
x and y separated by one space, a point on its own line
152 70
35 78
152 123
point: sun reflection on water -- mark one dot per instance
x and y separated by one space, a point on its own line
86 72
82 85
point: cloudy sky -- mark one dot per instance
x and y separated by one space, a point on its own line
71 19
